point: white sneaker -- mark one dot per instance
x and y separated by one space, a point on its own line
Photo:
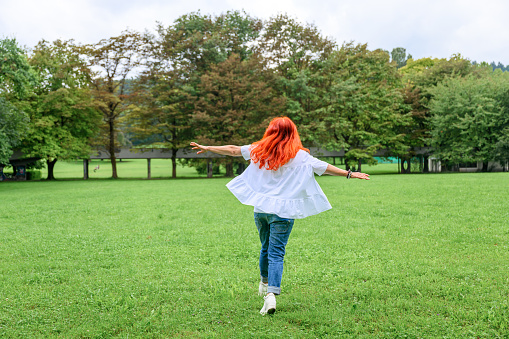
262 289
269 306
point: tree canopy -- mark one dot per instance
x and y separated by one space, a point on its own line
60 105
470 120
220 79
16 81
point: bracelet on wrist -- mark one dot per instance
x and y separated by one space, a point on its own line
349 174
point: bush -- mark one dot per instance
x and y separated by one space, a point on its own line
201 168
34 175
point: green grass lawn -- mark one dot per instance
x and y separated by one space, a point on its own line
128 168
160 168
400 256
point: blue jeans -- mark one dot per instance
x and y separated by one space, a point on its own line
274 233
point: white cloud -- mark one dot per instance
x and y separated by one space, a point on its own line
437 28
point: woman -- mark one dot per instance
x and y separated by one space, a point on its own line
280 184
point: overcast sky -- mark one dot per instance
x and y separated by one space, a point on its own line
478 30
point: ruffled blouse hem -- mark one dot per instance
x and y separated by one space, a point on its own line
301 208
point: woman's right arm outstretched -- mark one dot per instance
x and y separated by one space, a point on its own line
230 150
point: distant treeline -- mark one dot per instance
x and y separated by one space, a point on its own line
219 79
495 66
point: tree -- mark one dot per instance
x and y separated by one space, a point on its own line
420 77
114 58
499 65
180 55
399 56
426 73
196 41
60 107
297 53
16 81
365 105
161 114
16 76
13 124
470 119
235 103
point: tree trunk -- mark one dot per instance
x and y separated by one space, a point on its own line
112 150
229 169
359 168
174 163
113 161
484 166
241 168
51 166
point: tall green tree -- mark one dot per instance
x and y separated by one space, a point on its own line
160 114
420 77
13 125
365 107
297 53
235 103
427 72
16 76
16 82
399 56
63 119
470 118
114 59
180 55
195 42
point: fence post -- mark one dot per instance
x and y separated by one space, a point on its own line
148 168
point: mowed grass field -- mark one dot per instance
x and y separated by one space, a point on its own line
400 256
160 168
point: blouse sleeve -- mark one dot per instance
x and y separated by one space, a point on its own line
319 166
245 152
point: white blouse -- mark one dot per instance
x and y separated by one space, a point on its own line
289 192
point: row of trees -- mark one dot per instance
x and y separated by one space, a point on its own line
219 79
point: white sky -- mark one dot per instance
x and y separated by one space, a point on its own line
427 28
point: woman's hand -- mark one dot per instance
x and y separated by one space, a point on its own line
202 149
359 175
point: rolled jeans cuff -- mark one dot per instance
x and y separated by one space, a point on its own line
274 289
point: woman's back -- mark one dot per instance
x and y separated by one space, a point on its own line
289 192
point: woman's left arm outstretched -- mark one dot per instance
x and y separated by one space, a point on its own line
333 170
230 150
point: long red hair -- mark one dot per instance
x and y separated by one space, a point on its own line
279 144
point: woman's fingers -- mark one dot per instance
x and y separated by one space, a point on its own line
198 146
359 175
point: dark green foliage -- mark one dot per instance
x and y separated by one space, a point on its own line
420 77
13 125
60 107
297 55
16 81
185 58
16 76
494 65
398 55
363 105
220 78
470 118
